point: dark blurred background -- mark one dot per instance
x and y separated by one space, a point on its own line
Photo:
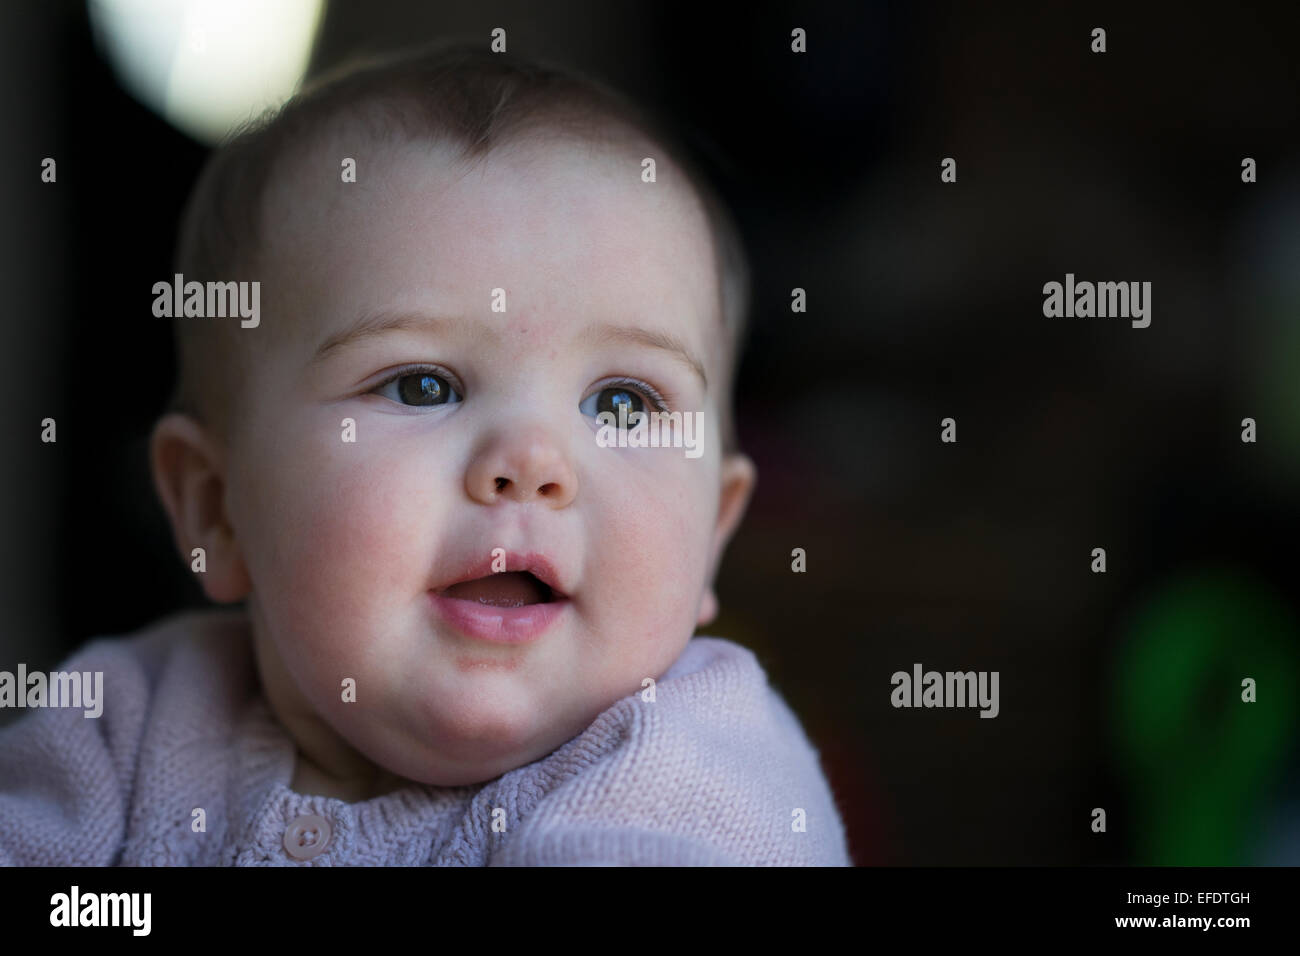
1119 690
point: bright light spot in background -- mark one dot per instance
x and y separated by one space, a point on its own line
207 65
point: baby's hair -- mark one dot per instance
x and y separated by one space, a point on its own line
451 93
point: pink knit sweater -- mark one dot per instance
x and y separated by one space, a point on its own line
716 771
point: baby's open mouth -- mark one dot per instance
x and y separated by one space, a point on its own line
506 589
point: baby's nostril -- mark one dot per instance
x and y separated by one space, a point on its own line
501 483
546 489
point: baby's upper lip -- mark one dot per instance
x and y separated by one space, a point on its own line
535 563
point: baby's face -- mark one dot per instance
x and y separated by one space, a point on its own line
474 430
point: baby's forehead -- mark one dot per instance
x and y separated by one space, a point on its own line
553 225
542 178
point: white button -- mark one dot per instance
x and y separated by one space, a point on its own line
307 837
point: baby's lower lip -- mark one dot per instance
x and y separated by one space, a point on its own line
501 625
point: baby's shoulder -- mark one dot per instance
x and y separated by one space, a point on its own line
192 647
717 704
69 774
184 670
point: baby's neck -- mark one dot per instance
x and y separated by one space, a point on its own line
311 780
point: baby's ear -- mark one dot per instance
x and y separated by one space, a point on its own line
188 468
735 487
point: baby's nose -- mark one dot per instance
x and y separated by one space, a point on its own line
523 466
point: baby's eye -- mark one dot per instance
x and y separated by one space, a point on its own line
418 388
609 400
622 395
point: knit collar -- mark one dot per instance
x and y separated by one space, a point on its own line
264 765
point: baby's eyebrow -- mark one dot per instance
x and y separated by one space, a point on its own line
377 323
608 333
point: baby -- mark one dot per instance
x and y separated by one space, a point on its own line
465 632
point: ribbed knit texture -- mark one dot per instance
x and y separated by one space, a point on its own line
711 773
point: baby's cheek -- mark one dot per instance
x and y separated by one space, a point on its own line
656 555
345 527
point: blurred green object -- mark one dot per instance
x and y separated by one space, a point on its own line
1202 763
